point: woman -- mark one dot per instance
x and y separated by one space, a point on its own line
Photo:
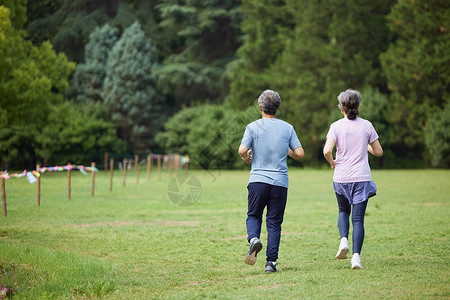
354 138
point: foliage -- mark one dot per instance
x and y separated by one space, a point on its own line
394 52
176 130
135 106
18 12
77 133
267 28
437 137
314 52
416 67
204 36
89 76
70 23
210 134
31 81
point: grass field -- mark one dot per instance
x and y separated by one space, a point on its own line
133 243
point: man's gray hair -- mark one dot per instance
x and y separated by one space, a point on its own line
269 101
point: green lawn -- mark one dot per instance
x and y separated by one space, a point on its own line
133 243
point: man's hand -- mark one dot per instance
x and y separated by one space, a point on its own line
245 154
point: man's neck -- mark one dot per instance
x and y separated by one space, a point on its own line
266 116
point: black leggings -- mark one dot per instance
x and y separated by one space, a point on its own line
359 210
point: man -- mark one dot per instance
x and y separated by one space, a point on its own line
266 144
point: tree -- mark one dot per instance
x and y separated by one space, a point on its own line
437 138
135 106
31 80
204 36
89 76
315 51
210 134
267 28
416 67
17 10
77 133
68 24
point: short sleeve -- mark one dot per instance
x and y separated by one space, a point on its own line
247 138
332 133
294 142
373 136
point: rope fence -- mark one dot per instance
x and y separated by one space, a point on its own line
173 162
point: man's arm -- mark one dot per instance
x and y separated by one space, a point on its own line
245 154
298 153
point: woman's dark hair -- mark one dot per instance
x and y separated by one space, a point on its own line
349 101
269 101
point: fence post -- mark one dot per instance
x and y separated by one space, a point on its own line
175 163
124 167
170 165
68 185
159 167
38 185
136 167
4 196
149 166
93 178
111 168
186 163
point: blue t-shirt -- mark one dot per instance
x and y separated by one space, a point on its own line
270 140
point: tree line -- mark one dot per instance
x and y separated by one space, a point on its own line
80 78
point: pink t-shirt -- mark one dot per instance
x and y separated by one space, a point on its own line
352 138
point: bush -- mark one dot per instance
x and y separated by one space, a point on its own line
437 138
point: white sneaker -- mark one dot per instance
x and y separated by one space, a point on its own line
343 249
356 261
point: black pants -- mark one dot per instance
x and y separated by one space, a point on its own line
261 195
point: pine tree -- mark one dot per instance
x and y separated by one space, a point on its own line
317 50
89 77
267 28
129 92
68 24
204 36
416 67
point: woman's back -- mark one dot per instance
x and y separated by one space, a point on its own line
352 138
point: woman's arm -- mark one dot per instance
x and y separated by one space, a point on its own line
328 152
375 148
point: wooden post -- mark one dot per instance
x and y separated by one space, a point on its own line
68 185
178 163
4 196
111 169
38 185
106 161
136 162
159 167
149 166
186 163
138 171
124 166
170 165
93 178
